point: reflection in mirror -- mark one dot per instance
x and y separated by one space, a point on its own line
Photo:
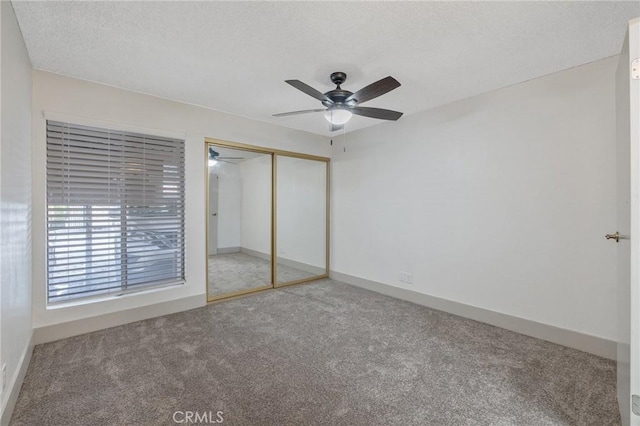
301 219
239 240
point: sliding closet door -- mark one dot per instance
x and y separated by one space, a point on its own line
239 221
301 219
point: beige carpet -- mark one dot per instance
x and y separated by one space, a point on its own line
233 272
322 353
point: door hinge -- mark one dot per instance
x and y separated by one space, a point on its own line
635 404
635 69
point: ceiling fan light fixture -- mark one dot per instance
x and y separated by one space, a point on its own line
338 116
212 162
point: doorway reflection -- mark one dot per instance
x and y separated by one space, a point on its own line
239 215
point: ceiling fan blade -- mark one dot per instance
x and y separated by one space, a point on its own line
230 158
336 127
303 87
226 161
382 114
374 90
304 111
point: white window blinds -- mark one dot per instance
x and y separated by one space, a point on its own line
115 211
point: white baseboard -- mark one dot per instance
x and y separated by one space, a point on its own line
227 250
63 330
256 253
314 270
16 383
573 339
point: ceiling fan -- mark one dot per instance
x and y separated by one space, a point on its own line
341 104
215 156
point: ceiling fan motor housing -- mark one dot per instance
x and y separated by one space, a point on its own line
338 97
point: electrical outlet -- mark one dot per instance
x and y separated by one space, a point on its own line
4 376
406 277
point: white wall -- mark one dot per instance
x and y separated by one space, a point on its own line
229 204
301 200
15 199
500 201
68 96
256 204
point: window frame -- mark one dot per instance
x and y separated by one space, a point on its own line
125 286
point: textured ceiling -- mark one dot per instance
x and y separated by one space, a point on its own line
235 56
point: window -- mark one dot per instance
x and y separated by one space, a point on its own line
115 211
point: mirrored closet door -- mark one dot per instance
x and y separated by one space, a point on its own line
259 202
239 221
301 200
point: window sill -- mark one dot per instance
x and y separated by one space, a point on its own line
113 296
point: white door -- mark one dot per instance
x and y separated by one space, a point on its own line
213 214
628 166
